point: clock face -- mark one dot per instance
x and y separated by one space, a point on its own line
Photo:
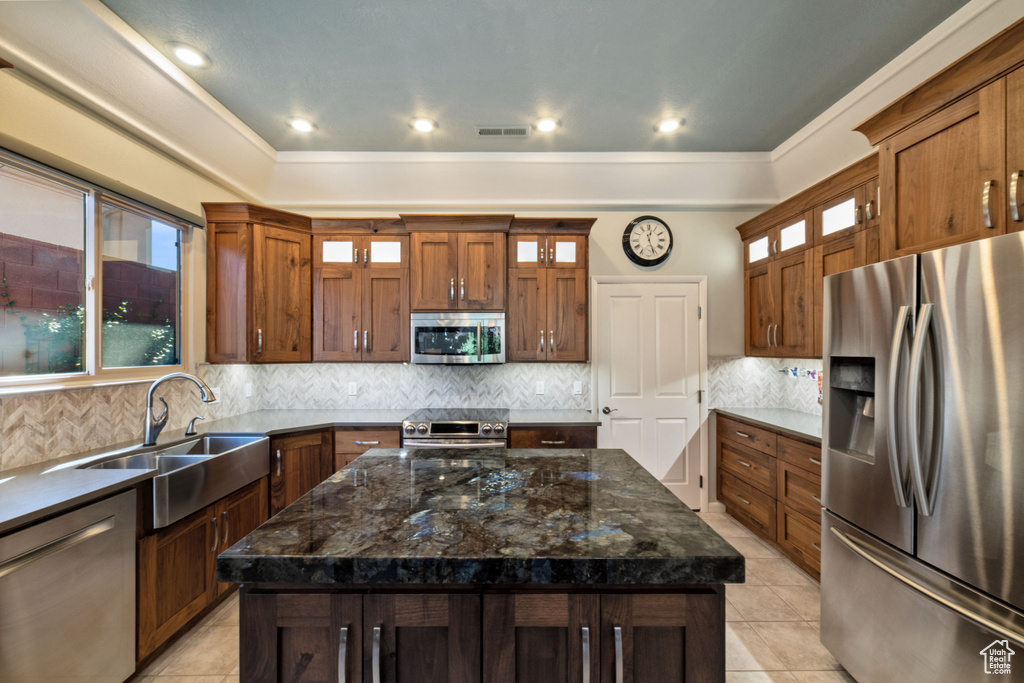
647 241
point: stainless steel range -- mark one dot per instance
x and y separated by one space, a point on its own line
456 428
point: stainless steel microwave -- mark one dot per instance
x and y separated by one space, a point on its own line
458 338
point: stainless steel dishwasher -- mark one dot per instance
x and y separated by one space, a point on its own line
67 597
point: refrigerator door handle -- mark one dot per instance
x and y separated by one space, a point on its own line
899 484
856 547
925 501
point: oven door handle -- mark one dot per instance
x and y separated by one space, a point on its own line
439 443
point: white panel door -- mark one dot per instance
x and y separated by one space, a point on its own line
647 367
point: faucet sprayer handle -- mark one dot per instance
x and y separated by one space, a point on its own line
191 429
162 417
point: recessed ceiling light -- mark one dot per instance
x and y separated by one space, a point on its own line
302 125
547 125
189 55
669 125
424 125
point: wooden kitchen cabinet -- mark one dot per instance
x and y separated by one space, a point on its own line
351 442
360 298
547 315
1015 149
259 271
457 271
298 463
541 638
779 306
301 638
771 483
433 638
552 437
547 251
176 564
657 637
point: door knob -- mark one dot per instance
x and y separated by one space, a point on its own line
608 411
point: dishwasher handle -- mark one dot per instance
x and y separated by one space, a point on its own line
74 538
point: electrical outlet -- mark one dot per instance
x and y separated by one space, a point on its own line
577 388
248 389
540 387
352 389
216 394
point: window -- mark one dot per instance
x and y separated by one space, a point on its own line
58 235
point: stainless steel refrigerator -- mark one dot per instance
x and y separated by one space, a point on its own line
922 570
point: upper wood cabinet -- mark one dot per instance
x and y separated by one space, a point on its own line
1015 149
547 251
785 238
360 297
779 306
259 275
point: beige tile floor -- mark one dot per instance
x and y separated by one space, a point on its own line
771 627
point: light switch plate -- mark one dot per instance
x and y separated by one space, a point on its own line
540 387
577 388
352 389
248 389
216 395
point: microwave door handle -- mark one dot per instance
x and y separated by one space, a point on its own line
479 341
898 482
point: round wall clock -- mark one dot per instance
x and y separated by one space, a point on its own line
647 241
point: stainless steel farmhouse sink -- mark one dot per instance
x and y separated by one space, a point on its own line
194 473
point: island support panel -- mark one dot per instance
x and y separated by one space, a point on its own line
483 634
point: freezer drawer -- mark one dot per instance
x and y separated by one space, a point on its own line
880 628
67 597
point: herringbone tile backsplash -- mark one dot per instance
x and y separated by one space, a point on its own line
41 426
743 382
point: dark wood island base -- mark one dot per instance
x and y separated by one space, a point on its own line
482 634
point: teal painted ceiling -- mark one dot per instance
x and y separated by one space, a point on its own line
744 74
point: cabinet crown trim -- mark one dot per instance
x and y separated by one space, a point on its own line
360 226
562 226
239 212
457 222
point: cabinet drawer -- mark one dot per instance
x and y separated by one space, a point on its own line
360 440
552 437
747 435
800 539
752 467
754 509
800 453
799 490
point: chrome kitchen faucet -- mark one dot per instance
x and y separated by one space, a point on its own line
156 423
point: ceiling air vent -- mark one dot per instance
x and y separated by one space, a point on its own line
503 131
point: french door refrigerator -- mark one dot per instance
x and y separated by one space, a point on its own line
922 571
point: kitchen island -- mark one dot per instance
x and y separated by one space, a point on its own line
484 565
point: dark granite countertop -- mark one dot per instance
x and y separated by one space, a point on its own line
791 422
486 516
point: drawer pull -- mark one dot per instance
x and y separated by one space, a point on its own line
743 500
745 464
745 436
279 462
367 443
817 500
553 443
816 547
216 535
375 657
816 462
227 528
586 654
342 655
619 678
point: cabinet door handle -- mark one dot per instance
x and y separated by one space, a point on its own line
816 547
553 443
462 288
775 246
768 336
585 636
1015 196
858 216
367 443
342 654
816 462
542 341
551 340
366 341
744 435
540 254
259 340
227 527
985 206
743 500
618 655
551 256
375 664
216 535
366 257
869 209
745 464
776 338
451 291
355 257
279 462
817 500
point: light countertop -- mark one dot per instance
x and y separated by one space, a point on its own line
791 422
